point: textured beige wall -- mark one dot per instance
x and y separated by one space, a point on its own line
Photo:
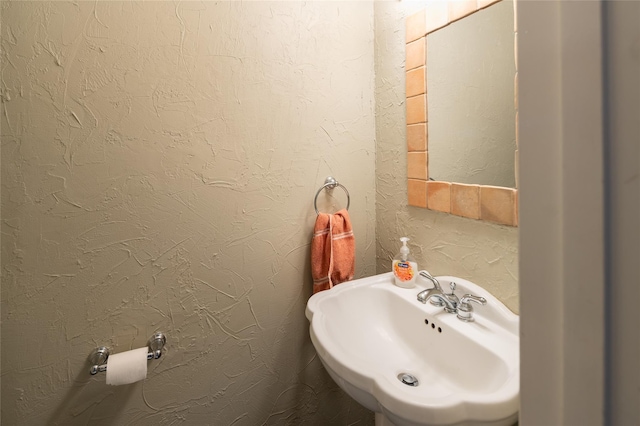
484 253
159 161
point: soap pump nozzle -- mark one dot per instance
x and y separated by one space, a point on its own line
404 250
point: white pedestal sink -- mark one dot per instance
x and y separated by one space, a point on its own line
375 339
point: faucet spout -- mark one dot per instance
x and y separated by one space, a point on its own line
439 295
427 294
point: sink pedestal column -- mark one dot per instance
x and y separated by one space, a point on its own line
382 420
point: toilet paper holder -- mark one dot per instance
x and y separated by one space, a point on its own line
99 355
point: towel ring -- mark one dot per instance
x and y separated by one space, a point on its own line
330 183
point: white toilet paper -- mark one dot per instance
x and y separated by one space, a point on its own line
127 367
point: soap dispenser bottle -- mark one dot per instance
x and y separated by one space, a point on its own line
405 267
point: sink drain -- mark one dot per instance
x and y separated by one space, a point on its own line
408 379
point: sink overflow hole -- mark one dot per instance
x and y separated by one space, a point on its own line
408 379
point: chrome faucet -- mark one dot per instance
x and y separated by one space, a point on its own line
440 298
437 296
451 303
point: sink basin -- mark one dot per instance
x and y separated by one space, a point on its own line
375 339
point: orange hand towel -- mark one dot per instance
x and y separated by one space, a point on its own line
333 250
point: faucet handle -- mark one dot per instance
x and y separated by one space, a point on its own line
465 310
472 298
453 298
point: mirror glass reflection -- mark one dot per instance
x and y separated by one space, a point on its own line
470 98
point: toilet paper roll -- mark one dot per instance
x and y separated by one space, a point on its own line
127 367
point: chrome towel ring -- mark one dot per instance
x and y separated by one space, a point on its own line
330 183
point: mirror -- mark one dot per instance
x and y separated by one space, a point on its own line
470 91
434 182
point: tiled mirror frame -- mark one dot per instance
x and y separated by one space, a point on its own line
482 202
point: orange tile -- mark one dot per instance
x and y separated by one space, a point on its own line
458 9
415 82
417 165
417 109
415 26
439 196
417 137
437 15
465 200
416 54
417 193
497 204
